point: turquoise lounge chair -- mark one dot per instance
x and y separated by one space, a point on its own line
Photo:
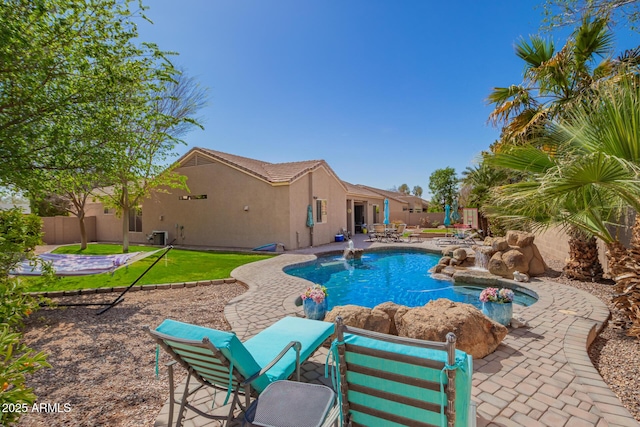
385 380
220 360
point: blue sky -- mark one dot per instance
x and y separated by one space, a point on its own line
385 91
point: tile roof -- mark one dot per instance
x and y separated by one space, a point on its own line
386 193
360 190
271 172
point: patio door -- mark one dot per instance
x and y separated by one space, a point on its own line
358 217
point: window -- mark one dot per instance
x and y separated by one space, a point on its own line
376 214
198 197
321 211
135 220
109 211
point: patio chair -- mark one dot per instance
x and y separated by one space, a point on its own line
385 380
380 232
396 234
219 360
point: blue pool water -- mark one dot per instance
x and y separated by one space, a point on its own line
380 276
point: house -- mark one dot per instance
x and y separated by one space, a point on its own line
238 202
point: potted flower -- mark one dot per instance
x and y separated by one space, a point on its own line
314 302
498 304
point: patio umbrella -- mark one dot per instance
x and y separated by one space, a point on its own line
455 216
386 211
447 213
309 216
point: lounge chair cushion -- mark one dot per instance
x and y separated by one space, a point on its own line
227 342
257 352
269 343
463 375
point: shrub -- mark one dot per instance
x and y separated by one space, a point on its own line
19 235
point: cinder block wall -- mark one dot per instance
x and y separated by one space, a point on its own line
554 244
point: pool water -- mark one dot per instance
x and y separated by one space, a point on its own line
380 276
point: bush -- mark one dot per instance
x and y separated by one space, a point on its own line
19 235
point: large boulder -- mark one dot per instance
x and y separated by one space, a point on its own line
392 309
476 334
361 317
444 260
497 243
460 254
520 239
515 261
497 266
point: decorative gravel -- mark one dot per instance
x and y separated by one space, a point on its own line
104 366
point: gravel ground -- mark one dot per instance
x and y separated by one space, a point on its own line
103 366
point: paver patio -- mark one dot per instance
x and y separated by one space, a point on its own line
540 375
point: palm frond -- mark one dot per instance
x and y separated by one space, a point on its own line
536 51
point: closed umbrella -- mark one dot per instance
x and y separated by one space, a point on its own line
309 216
455 216
447 213
386 211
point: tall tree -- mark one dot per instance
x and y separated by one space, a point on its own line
417 191
144 145
68 62
553 81
404 188
443 184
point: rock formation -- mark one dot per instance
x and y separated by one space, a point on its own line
476 334
361 317
515 252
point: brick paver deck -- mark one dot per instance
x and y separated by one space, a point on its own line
539 376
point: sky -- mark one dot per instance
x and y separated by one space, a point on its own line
384 91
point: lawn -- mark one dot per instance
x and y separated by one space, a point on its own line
178 266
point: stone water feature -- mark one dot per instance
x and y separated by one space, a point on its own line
352 252
514 254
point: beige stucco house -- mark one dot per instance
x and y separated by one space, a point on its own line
238 202
235 201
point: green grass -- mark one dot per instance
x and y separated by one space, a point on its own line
178 266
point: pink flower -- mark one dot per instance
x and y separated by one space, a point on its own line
317 293
504 295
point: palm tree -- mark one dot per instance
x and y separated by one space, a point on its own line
588 181
553 80
554 83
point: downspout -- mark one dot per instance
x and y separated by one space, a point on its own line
311 204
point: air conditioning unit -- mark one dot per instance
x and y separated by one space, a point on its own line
160 238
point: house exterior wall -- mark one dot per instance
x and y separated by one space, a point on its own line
221 219
314 186
109 225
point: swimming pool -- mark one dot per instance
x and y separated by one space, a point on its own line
401 276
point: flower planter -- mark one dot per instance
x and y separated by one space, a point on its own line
314 310
500 312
